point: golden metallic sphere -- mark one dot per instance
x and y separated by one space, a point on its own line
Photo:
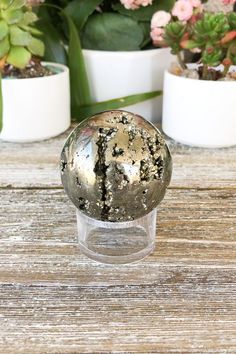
115 166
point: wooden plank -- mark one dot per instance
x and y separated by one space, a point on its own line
36 165
27 165
184 215
33 215
183 311
38 238
181 299
64 265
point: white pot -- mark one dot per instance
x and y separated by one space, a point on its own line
199 113
36 108
117 74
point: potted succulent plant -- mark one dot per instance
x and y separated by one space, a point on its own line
35 95
117 48
199 97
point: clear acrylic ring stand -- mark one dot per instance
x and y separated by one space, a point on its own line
116 242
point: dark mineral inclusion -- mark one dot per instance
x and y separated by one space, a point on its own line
115 166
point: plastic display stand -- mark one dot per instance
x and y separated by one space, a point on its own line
116 242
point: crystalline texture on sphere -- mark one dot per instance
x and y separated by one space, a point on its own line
115 166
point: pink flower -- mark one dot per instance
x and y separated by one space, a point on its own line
157 35
34 2
229 2
129 4
135 4
144 2
195 3
160 19
183 9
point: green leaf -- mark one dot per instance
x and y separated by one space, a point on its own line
28 18
18 57
86 111
189 44
174 32
145 13
79 86
80 10
3 29
44 13
4 47
80 92
1 103
234 60
112 32
19 37
4 4
17 4
146 33
211 28
32 30
232 20
36 47
13 16
54 49
213 58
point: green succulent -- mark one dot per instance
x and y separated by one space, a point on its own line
17 34
208 33
210 29
232 20
212 56
174 32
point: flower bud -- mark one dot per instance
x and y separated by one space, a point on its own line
227 62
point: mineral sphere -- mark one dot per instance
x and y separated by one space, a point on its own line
115 166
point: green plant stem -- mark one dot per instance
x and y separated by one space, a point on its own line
228 55
226 69
181 62
205 72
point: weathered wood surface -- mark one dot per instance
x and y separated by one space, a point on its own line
36 165
181 299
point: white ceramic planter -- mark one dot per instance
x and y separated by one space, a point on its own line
117 74
199 113
36 108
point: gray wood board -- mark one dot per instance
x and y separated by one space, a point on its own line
180 299
37 165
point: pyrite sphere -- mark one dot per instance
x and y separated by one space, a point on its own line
115 166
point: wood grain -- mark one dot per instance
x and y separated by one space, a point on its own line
180 299
182 312
184 215
36 165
